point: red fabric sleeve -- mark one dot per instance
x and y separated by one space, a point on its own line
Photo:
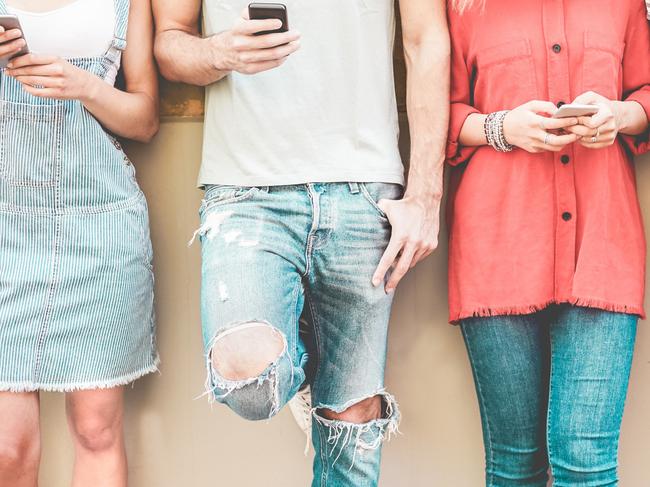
636 74
460 97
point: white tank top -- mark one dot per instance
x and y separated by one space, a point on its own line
327 115
83 28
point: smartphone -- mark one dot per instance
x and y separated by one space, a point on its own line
10 22
576 110
262 11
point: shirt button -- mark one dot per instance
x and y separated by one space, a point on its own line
557 48
566 216
565 159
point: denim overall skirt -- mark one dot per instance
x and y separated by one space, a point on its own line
76 282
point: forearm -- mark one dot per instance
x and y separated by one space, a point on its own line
631 117
428 112
184 57
129 115
473 131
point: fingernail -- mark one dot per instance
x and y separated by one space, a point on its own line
390 290
375 282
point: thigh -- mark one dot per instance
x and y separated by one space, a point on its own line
21 417
350 315
509 356
591 360
251 261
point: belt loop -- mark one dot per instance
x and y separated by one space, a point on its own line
354 188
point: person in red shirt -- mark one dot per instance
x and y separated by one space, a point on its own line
547 247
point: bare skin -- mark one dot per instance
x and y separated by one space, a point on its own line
415 219
95 416
20 446
184 56
132 113
528 125
95 420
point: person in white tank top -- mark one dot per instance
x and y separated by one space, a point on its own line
64 88
304 207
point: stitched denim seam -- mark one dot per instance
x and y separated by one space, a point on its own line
209 204
315 206
294 326
42 333
364 191
490 476
82 210
317 331
549 410
323 457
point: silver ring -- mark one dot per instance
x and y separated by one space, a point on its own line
546 138
38 87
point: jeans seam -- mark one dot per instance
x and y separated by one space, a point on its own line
314 320
490 478
549 407
323 456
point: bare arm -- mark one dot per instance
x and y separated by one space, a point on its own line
416 218
184 56
132 113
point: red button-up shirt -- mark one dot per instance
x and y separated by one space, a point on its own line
528 230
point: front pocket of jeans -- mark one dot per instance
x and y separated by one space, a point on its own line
30 140
217 195
375 192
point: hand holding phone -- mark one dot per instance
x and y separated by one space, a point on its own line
576 110
12 42
254 45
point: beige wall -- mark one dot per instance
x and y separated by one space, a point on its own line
176 440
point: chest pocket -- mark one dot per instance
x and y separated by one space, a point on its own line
505 76
30 140
602 68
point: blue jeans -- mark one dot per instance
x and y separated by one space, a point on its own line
551 389
272 255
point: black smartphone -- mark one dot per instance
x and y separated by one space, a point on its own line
262 11
10 22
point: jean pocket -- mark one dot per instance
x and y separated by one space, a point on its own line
217 195
375 192
30 142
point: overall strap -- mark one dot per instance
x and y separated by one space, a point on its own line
3 7
121 27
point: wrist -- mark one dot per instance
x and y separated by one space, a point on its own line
216 48
90 86
423 194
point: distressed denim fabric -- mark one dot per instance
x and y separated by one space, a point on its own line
274 254
551 389
76 283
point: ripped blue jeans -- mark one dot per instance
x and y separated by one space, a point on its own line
272 255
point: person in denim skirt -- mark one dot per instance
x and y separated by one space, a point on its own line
76 283
547 247
304 213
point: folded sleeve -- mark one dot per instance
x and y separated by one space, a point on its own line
636 74
461 77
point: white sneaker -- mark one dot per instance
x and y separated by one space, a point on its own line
300 407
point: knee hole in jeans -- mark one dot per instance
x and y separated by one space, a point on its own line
245 351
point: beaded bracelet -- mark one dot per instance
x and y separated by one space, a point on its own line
493 128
